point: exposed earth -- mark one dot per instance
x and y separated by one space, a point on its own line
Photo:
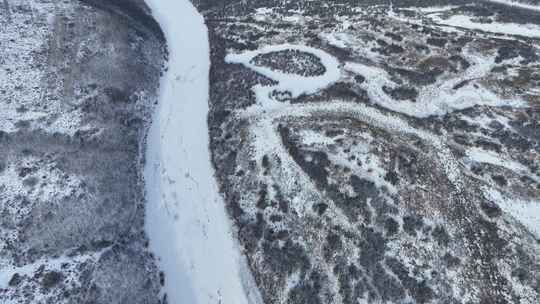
367 152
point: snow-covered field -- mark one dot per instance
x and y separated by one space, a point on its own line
517 4
186 220
528 30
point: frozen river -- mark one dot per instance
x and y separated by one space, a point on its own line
186 221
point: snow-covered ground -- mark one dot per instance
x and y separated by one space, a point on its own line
526 212
437 14
517 4
482 156
267 111
57 264
295 84
186 220
463 21
436 99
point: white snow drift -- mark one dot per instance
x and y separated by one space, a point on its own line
186 221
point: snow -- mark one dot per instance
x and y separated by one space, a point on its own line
464 21
266 135
50 264
22 73
436 9
347 40
265 115
517 4
436 99
262 14
484 121
295 84
482 156
457 21
370 167
68 265
267 141
526 212
310 137
186 221
339 40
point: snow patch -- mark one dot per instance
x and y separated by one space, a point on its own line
436 9
517 4
50 264
463 21
295 84
339 40
310 137
482 156
436 99
526 212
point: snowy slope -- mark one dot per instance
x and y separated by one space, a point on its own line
186 221
517 4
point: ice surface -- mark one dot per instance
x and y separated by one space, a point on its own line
186 221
